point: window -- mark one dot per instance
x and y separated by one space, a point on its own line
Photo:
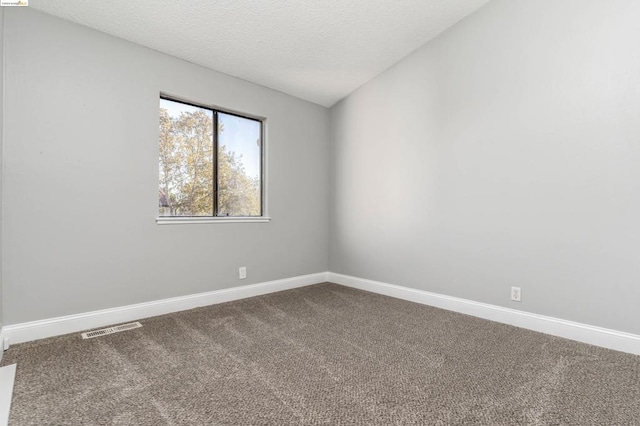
210 163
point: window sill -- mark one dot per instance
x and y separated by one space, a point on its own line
201 220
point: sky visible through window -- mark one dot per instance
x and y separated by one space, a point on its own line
237 131
242 136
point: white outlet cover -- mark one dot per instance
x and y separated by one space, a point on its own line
516 294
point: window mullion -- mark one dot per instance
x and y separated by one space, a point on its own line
215 163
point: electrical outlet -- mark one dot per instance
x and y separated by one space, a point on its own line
516 294
242 272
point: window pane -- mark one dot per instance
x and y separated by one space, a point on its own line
186 160
239 166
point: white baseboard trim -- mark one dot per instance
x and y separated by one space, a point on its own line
34 330
28 331
611 339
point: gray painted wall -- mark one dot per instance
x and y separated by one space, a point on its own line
1 160
81 173
502 153
505 152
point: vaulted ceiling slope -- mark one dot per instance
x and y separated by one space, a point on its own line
318 50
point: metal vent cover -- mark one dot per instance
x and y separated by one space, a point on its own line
111 330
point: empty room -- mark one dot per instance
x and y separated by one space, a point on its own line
365 212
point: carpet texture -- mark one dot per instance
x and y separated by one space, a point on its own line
323 354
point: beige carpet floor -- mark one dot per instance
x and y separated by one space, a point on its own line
323 354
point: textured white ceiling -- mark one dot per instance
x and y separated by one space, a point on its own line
318 50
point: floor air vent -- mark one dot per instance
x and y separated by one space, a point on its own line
111 330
